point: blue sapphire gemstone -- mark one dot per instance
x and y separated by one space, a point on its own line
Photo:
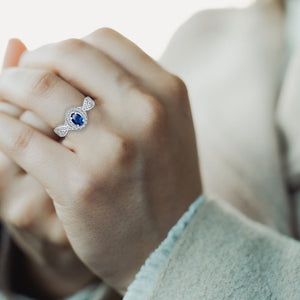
77 119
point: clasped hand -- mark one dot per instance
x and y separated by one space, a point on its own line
121 183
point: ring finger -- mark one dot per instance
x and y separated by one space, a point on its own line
41 92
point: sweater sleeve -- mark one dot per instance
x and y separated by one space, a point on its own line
224 255
145 279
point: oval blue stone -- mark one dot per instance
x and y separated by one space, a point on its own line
77 119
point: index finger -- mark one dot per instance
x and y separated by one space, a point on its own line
45 159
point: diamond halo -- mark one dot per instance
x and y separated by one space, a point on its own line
69 119
75 117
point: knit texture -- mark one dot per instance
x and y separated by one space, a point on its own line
224 255
145 279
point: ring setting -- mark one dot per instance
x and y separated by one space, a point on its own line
75 117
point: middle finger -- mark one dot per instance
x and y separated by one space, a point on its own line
84 66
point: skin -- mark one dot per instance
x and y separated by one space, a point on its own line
29 215
122 182
206 130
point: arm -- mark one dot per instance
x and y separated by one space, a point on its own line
231 61
224 255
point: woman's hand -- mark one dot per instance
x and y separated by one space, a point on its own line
49 262
120 184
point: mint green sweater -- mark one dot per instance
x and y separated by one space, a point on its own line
236 243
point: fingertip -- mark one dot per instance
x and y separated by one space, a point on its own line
18 44
14 50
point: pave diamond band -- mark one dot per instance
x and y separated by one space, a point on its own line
75 117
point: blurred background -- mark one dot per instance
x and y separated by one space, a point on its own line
150 24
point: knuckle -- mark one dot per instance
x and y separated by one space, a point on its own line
24 222
124 151
104 32
71 45
24 218
23 139
176 88
154 116
43 83
125 81
57 235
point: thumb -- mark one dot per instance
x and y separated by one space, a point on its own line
14 50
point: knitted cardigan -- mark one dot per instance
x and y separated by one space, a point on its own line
242 241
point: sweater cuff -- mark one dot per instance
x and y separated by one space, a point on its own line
145 279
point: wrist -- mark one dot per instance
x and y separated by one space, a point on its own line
148 274
158 252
